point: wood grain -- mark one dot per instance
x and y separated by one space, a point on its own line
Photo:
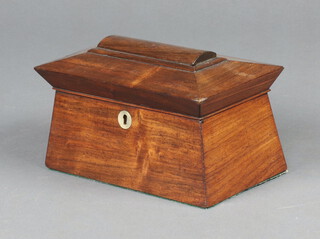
241 149
157 61
232 82
202 127
159 76
196 161
160 154
157 50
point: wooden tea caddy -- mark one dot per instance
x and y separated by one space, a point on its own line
179 123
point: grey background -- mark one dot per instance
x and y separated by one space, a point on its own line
36 202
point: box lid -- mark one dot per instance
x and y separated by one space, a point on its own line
171 78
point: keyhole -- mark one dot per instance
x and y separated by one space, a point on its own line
124 119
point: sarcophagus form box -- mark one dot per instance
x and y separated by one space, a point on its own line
179 123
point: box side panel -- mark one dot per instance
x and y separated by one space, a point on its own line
159 154
241 149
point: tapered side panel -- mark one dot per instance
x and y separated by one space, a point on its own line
241 149
159 154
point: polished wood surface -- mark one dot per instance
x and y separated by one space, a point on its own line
160 76
199 161
157 61
241 149
156 50
159 154
202 127
133 82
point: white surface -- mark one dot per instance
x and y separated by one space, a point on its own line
36 202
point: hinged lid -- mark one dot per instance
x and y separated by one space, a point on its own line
161 76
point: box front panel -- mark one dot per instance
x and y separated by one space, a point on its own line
159 154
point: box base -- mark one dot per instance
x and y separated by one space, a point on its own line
197 161
114 185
